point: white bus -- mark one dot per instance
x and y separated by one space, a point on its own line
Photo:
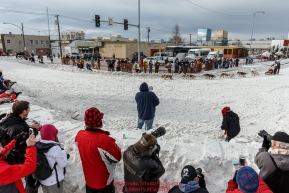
197 53
179 52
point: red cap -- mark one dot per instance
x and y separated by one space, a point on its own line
225 110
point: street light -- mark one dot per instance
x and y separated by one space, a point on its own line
263 12
22 32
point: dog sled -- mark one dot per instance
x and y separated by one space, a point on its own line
270 71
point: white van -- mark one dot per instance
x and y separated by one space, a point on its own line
162 55
217 55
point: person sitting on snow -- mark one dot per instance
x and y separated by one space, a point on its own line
10 94
193 181
230 123
88 67
247 180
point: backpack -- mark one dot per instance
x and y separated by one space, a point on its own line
43 169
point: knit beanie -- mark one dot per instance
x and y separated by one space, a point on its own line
48 132
93 117
281 136
188 174
225 110
147 141
247 180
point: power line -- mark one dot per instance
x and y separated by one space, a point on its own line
214 11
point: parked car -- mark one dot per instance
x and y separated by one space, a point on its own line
154 59
89 55
74 54
2 53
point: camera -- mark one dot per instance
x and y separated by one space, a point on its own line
263 133
199 172
159 132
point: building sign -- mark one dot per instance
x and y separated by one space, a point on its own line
88 44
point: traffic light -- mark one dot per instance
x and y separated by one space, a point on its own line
97 21
125 23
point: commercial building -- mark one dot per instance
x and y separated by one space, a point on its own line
221 37
204 36
12 43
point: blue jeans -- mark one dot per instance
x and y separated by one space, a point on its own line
149 123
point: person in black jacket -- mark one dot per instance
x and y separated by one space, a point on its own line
146 106
15 124
230 123
193 181
142 166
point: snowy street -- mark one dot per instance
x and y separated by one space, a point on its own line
190 110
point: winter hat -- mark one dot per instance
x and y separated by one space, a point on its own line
225 110
93 117
48 132
147 141
281 136
188 174
247 180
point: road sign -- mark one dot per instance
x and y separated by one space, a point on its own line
149 45
110 21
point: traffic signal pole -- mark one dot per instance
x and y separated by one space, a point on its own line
125 23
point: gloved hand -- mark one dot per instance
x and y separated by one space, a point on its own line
158 149
202 182
226 132
154 156
68 156
235 176
266 143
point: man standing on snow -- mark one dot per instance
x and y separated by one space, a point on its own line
230 123
146 106
98 152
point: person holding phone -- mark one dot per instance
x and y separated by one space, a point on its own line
246 180
10 175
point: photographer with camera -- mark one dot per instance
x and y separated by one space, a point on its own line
142 166
10 175
193 181
15 124
246 180
274 164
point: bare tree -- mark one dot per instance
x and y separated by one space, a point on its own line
176 36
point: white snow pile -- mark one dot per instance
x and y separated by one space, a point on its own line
190 110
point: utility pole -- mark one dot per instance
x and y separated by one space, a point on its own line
190 39
48 31
23 37
149 30
138 45
59 38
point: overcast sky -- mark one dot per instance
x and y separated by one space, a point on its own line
160 15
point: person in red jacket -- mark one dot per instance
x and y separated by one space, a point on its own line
10 175
98 152
246 180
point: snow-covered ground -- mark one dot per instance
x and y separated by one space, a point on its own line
190 110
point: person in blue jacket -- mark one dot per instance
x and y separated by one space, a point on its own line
146 106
